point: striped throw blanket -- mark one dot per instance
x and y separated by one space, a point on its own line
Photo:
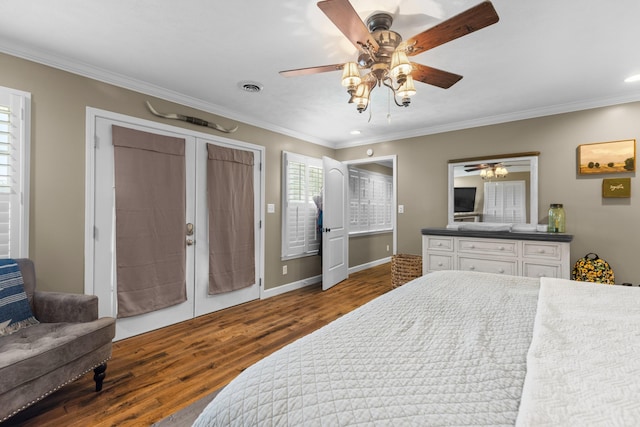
15 312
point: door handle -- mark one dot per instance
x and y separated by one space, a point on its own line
189 229
190 242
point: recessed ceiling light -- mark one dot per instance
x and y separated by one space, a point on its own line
635 78
355 132
251 87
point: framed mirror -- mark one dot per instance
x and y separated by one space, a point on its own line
495 190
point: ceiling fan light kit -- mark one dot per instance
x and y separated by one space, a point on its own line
386 56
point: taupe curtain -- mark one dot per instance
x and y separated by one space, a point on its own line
150 221
231 219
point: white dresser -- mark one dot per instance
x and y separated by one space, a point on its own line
518 254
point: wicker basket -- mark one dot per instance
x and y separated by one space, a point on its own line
405 268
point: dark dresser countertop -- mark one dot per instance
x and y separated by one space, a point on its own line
512 235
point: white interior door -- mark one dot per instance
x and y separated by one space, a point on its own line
100 256
205 303
335 236
104 256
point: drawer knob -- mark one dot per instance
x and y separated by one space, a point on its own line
439 264
472 268
501 271
472 246
439 244
541 251
501 248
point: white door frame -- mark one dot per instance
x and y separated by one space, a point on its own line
92 114
394 208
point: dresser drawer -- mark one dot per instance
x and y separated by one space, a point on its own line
440 243
438 262
530 269
507 248
487 265
541 250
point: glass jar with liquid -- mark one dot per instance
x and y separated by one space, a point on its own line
556 218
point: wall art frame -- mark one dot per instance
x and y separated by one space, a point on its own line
607 157
616 187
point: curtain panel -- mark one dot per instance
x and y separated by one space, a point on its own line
230 196
150 204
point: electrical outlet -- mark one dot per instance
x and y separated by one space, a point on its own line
400 208
284 270
387 248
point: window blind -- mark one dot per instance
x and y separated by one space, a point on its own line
302 181
370 201
14 115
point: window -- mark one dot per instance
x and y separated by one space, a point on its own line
370 201
504 202
302 182
14 173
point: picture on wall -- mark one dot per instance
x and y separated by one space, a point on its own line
616 187
607 157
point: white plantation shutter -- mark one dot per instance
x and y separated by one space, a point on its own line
370 200
302 181
14 172
505 202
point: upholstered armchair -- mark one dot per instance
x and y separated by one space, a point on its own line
69 341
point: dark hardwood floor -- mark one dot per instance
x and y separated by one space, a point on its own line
156 374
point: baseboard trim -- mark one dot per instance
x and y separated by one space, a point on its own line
369 265
278 290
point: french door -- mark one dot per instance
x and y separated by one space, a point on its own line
100 253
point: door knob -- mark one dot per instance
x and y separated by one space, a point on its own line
189 229
189 242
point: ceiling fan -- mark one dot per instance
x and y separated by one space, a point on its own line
385 55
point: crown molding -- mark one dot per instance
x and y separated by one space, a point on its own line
125 82
500 118
119 80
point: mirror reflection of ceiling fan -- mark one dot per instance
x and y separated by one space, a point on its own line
481 166
495 170
385 55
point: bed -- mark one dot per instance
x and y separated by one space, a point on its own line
454 348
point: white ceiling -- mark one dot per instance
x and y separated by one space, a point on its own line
542 57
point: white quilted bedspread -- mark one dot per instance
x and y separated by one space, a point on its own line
446 349
584 361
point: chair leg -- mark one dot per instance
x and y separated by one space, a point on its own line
99 374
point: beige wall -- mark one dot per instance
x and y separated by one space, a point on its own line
605 226
59 101
371 247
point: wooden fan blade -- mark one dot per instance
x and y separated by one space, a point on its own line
345 17
434 76
467 22
311 70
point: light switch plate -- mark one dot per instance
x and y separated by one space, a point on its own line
271 208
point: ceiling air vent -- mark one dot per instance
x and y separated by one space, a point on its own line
251 87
